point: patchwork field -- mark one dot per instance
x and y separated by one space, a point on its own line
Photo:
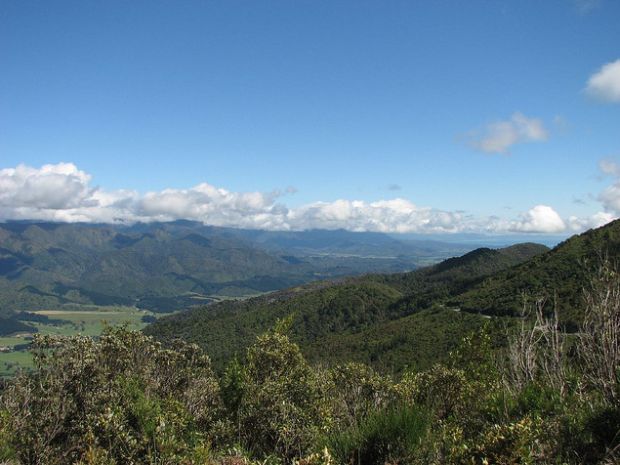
88 321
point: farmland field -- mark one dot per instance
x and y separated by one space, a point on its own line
87 321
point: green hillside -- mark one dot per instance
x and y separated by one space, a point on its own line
330 319
414 318
44 265
560 274
170 266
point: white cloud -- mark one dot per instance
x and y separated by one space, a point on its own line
62 192
214 206
500 136
539 219
51 187
396 215
597 220
604 85
610 196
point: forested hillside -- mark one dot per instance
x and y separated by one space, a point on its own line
364 371
329 318
169 266
560 275
386 320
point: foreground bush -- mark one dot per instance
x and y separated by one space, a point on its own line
392 435
279 406
122 398
547 397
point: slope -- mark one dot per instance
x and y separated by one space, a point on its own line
325 313
172 265
560 275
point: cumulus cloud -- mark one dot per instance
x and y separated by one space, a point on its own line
610 196
50 187
396 215
500 136
539 219
604 85
62 192
576 224
218 207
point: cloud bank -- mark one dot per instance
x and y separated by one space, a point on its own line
62 192
610 197
604 85
500 136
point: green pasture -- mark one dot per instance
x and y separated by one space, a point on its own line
87 321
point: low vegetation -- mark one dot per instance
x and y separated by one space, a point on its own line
547 397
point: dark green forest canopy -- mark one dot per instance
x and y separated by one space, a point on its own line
560 275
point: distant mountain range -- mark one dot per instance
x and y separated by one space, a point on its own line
169 266
406 319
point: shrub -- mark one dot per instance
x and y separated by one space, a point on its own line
599 336
385 436
442 390
279 410
353 391
122 398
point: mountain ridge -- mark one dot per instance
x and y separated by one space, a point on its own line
163 265
334 308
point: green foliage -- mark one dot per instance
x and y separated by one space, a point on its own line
389 435
562 273
518 442
6 432
165 267
353 392
234 383
280 406
476 353
443 391
123 393
125 398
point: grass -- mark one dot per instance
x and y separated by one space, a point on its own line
87 321
381 438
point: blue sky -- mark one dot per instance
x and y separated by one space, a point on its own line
397 116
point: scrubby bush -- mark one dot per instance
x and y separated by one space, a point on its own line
122 398
534 395
391 435
353 391
442 390
279 408
599 336
518 442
